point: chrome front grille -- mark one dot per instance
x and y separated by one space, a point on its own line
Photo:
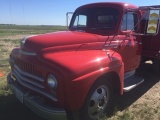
27 78
28 67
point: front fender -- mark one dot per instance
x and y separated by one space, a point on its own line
81 69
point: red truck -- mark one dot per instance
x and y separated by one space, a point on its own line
75 74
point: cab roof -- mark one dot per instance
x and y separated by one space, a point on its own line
118 5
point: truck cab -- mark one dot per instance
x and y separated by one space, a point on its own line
114 21
74 74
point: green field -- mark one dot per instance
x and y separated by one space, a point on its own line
140 104
6 30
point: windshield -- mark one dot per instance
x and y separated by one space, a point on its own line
95 20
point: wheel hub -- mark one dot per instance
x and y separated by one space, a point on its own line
98 102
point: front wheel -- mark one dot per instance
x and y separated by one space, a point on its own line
98 101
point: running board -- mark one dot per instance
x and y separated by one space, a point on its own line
132 82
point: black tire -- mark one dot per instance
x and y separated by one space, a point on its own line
98 101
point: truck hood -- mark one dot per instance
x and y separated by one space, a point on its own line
39 42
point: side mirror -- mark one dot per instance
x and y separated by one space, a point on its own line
68 18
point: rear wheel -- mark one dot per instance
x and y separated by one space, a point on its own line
98 100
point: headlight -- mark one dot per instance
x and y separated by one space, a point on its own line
52 82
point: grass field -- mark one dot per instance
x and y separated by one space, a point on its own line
143 103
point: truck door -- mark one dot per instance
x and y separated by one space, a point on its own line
130 48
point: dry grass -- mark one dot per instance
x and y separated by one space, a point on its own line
142 112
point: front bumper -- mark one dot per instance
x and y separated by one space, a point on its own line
35 104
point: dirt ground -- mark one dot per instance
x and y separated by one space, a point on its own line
145 96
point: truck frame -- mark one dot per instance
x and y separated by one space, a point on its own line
75 74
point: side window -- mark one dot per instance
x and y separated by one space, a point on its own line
129 21
80 21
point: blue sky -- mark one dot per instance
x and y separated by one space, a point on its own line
48 12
